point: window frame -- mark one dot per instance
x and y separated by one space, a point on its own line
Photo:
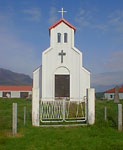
65 37
58 37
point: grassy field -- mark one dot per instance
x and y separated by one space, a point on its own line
102 136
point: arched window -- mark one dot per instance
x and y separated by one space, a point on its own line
65 37
59 37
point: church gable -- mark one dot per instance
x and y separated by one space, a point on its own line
61 34
64 21
62 41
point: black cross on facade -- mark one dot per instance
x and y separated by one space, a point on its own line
62 54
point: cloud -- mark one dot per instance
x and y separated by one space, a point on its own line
15 54
6 18
114 74
3 17
33 14
104 81
115 61
85 19
116 20
102 27
108 78
53 16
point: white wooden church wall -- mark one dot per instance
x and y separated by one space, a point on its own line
72 60
37 78
84 82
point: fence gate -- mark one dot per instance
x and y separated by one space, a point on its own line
62 111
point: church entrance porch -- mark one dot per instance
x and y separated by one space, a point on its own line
62 86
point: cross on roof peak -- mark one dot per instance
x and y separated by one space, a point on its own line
62 11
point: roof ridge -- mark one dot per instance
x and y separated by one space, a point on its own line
113 90
16 88
62 20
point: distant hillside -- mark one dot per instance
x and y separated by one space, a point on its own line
8 77
102 88
99 95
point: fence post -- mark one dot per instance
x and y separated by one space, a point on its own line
105 113
63 110
24 115
91 106
120 117
35 106
14 118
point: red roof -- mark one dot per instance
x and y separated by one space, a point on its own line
15 88
113 90
62 20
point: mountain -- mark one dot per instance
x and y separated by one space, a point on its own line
8 77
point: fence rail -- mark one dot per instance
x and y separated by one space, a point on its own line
61 110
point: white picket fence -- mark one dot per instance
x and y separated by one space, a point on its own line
63 111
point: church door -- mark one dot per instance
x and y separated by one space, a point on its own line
62 85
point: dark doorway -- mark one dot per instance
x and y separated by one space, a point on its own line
7 94
62 85
24 94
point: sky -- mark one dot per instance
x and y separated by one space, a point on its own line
24 35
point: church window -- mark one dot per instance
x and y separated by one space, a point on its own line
59 37
7 94
111 96
65 37
24 94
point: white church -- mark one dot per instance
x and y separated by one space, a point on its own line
61 74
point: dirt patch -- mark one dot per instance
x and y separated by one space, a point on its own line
8 133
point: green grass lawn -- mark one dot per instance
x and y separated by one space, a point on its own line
101 136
